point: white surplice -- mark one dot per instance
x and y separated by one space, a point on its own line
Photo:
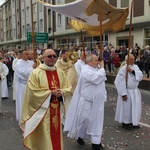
128 111
22 72
78 65
4 88
14 86
86 111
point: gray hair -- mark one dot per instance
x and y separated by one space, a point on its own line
88 58
126 58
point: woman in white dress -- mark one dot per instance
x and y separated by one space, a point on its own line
4 88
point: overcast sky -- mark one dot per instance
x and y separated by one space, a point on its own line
2 1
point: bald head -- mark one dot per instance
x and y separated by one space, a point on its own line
48 52
131 59
49 57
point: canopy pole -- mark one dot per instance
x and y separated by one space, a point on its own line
130 38
82 39
32 33
100 29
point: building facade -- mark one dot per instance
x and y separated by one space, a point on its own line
16 21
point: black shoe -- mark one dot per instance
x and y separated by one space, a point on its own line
127 126
136 127
80 141
101 147
97 147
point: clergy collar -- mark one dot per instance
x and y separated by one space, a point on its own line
48 67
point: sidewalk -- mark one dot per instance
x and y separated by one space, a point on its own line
144 84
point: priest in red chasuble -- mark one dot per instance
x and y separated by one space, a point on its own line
46 90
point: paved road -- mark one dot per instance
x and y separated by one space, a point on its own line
114 136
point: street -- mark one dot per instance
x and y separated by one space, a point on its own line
114 136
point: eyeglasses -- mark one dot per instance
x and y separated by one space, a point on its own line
51 56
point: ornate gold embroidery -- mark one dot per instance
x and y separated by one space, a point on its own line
54 83
54 103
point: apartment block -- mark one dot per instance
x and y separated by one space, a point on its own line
16 21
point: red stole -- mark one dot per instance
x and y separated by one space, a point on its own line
55 132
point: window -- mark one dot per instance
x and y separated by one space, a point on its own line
13 4
23 30
138 8
34 7
6 21
22 13
10 21
13 18
14 33
113 3
10 33
68 20
59 20
27 11
7 34
9 6
40 7
124 3
6 8
41 24
35 25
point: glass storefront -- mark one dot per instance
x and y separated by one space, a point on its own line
147 36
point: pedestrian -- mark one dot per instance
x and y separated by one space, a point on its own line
147 60
22 69
86 111
128 111
4 87
9 59
1 78
116 63
41 117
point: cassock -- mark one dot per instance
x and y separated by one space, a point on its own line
72 77
22 71
128 111
40 120
86 111
78 65
4 87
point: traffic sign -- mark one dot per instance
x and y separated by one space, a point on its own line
38 37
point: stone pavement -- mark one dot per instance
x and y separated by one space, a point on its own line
114 136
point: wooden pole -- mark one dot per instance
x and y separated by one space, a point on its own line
32 33
82 39
100 30
130 38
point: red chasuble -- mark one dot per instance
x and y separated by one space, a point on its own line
55 123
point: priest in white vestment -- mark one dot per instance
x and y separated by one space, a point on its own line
86 111
13 67
22 69
71 73
129 107
4 87
80 63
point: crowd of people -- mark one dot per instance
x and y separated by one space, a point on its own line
53 94
113 57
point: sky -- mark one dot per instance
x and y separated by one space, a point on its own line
2 1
